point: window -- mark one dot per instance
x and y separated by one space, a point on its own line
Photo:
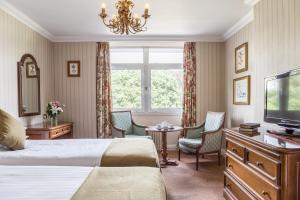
147 79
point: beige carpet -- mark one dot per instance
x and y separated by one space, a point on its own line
183 182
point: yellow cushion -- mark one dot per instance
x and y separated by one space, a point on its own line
12 132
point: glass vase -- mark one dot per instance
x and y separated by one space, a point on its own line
54 121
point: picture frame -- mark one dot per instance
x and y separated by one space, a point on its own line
31 70
242 90
74 68
241 58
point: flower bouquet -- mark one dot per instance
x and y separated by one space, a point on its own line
54 108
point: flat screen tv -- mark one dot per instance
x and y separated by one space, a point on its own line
282 99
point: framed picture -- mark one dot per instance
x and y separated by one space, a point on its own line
74 68
31 71
241 90
241 58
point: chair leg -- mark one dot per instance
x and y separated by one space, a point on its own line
197 161
219 158
179 154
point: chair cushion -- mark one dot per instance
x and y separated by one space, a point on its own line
186 149
12 132
139 136
190 143
214 121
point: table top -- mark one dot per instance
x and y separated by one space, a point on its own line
47 126
155 129
273 140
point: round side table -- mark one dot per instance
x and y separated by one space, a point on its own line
164 152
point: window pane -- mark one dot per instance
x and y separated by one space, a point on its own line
164 55
126 89
129 55
166 88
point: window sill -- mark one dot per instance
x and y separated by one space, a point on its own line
157 113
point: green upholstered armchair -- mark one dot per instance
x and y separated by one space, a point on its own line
124 126
203 139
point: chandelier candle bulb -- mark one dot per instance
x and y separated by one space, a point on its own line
103 9
146 12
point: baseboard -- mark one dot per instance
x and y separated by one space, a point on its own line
172 147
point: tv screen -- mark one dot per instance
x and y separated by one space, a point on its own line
282 98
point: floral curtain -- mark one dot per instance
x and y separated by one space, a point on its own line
189 85
103 87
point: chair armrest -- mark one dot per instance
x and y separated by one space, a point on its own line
139 129
193 132
211 141
118 133
140 126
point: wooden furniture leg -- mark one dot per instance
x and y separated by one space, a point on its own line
164 152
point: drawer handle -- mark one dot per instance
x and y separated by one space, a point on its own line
266 195
234 150
228 185
260 164
230 166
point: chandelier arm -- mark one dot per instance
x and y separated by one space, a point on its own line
138 27
132 31
108 24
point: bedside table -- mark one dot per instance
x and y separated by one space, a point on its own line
44 131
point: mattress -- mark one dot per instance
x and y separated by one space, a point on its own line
72 152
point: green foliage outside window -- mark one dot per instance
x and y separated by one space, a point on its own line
126 88
166 89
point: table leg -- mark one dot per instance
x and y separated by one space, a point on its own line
164 152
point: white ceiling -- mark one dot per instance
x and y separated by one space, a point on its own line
63 19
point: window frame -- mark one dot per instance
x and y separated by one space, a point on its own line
146 68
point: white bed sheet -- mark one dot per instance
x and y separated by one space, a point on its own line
71 152
41 182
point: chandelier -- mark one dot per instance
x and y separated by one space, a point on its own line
125 21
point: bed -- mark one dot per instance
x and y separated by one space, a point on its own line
62 183
119 152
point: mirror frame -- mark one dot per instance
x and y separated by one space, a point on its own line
20 93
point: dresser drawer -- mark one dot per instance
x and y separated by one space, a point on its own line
233 190
235 148
260 186
67 130
60 131
56 133
264 165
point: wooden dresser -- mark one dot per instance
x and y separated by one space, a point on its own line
45 131
261 167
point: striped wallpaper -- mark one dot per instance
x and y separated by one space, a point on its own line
78 93
17 39
210 78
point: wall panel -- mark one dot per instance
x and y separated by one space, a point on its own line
78 93
210 78
17 39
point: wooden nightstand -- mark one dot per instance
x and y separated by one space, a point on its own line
63 130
